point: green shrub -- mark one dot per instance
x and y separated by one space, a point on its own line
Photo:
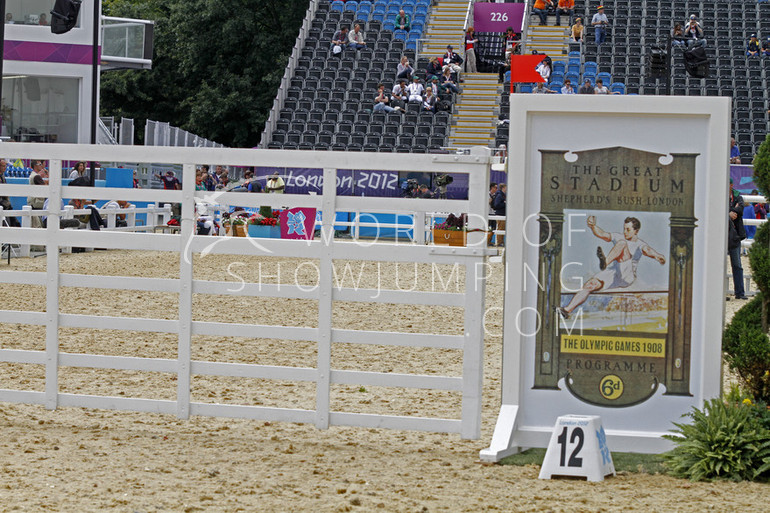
747 349
724 441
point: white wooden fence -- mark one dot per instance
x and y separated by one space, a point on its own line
156 217
325 250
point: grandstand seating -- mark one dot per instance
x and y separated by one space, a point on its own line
329 103
637 25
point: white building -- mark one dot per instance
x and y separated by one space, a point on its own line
46 91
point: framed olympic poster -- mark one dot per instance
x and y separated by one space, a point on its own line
615 289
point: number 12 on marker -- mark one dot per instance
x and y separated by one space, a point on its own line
575 438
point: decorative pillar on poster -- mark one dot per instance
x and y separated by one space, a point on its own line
490 17
615 274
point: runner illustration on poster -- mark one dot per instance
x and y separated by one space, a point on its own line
615 264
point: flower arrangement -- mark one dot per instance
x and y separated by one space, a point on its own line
456 223
234 218
273 219
453 223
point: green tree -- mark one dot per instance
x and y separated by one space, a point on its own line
216 69
759 254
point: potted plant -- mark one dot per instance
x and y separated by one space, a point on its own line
235 224
452 232
265 226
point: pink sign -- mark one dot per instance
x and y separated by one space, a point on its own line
298 223
488 17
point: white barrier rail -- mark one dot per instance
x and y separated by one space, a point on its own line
325 251
156 217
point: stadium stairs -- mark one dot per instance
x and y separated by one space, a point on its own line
474 118
445 27
550 40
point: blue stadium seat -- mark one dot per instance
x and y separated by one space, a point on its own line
559 67
524 88
590 67
365 4
605 77
574 78
351 6
388 25
557 77
555 87
400 34
378 15
618 87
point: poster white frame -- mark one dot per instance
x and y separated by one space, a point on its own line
661 124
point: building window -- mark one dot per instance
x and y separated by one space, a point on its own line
30 12
40 109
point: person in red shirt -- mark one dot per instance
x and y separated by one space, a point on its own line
170 182
470 53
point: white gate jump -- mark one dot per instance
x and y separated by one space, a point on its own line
325 250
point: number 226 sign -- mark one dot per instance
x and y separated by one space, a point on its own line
578 448
492 17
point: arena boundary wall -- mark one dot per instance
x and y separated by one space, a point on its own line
326 250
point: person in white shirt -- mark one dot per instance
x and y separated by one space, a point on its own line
567 88
415 90
600 88
356 38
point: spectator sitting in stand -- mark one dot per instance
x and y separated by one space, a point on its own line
600 87
356 38
452 60
120 219
540 89
752 47
429 102
433 85
567 88
566 7
415 90
693 33
399 96
678 39
434 67
541 8
78 170
447 83
735 152
577 30
544 68
766 47
403 21
381 101
404 70
339 40
586 88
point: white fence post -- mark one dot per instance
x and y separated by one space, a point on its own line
26 222
52 288
131 217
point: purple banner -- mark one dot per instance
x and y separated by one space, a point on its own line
32 51
743 178
381 184
488 17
